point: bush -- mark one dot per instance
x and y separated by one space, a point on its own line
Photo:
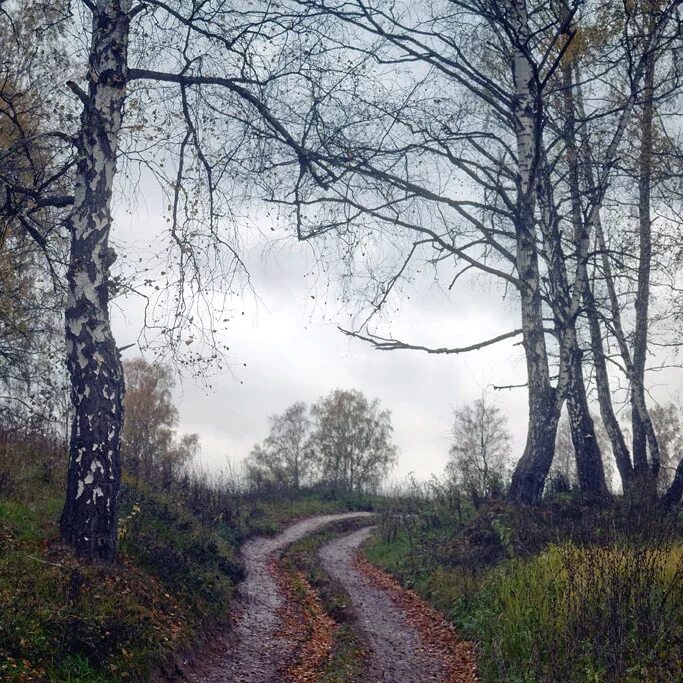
572 591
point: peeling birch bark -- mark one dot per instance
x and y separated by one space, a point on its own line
89 517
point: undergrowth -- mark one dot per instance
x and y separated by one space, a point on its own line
67 621
571 592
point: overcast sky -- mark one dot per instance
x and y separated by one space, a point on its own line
293 352
286 348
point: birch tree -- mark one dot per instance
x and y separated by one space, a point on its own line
33 198
480 452
461 168
183 90
351 437
459 163
286 457
647 36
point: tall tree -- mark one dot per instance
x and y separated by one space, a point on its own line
90 512
286 456
462 160
213 68
32 202
352 439
647 37
477 121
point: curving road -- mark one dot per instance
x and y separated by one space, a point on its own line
253 650
401 645
397 652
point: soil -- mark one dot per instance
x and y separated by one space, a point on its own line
253 649
405 641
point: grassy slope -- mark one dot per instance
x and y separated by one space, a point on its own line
551 600
67 621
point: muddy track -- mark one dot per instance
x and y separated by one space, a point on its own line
253 649
396 651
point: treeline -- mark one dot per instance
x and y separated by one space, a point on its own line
343 444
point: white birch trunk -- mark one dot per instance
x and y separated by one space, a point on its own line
532 469
90 512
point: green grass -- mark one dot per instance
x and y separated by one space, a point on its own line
64 620
393 556
604 612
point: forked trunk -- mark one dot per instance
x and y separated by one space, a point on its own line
89 517
589 467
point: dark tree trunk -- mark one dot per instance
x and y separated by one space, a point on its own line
589 467
90 512
528 479
609 418
675 491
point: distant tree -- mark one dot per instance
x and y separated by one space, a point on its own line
480 449
285 457
151 448
352 440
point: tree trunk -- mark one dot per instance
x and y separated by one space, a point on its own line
589 467
528 479
532 469
609 418
89 517
675 491
639 418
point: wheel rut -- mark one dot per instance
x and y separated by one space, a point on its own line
404 641
253 649
399 649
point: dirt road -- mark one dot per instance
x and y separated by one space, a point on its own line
397 651
252 650
405 641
